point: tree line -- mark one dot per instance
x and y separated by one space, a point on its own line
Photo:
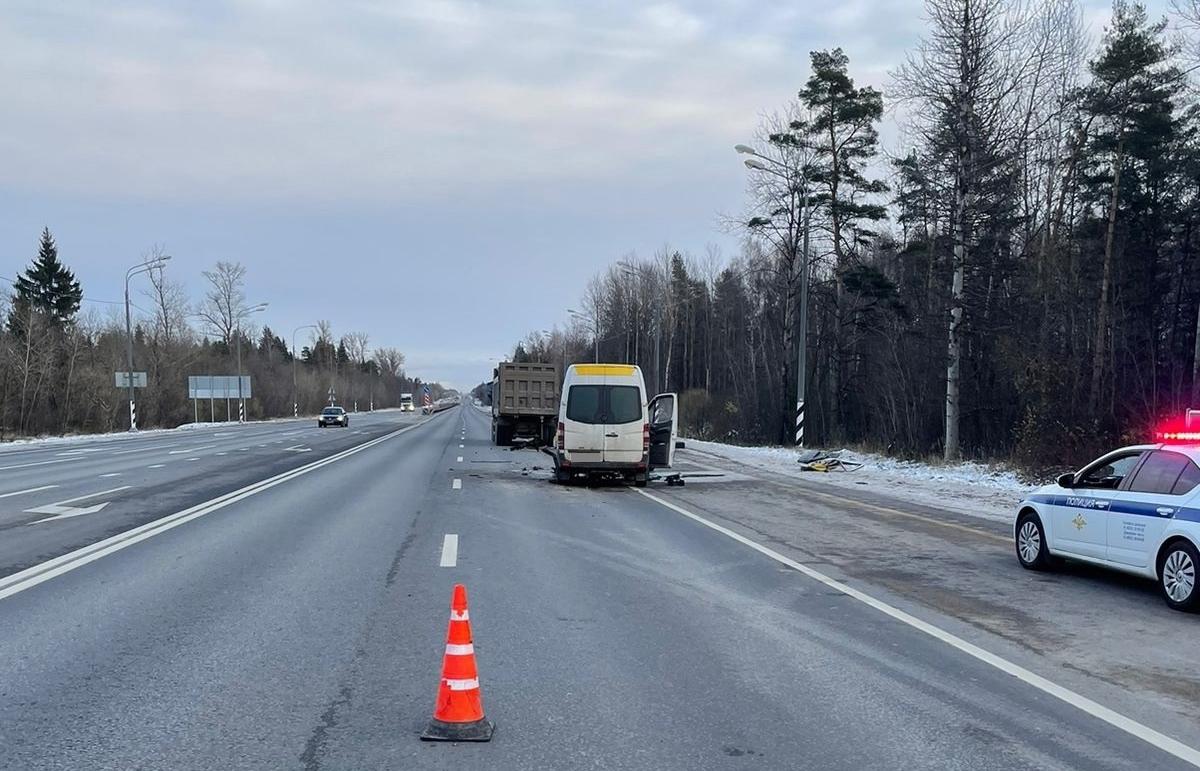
58 361
1020 280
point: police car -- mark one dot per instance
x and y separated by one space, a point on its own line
1136 509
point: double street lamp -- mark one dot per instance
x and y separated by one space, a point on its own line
789 175
295 389
595 322
238 318
153 263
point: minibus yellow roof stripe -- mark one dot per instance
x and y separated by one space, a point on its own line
604 369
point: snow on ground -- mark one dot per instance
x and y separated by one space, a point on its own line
116 436
975 489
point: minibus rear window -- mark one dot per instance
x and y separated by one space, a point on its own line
624 404
599 404
583 404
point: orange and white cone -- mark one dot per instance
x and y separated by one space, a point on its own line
458 713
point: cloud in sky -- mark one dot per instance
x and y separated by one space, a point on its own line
387 138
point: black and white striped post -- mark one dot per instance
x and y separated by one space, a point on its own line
800 424
132 414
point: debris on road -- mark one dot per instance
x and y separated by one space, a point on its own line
824 461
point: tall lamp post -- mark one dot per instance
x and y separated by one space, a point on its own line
295 388
143 267
631 271
791 176
584 317
242 399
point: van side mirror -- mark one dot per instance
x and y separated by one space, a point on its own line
1066 480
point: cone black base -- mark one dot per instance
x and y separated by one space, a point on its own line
479 731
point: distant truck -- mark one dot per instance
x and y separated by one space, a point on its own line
406 403
524 403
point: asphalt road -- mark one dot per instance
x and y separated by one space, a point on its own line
299 624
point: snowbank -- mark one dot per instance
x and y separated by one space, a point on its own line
975 489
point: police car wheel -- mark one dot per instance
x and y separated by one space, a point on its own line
1031 543
1177 576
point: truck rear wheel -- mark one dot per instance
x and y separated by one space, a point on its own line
503 435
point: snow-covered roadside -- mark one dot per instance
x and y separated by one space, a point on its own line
118 436
974 489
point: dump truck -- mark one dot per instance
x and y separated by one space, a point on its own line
524 403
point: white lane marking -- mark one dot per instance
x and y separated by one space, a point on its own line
30 577
460 447
191 449
145 449
192 459
457 485
30 490
156 465
297 448
222 453
1080 702
459 459
62 510
113 474
92 495
39 463
449 550
79 451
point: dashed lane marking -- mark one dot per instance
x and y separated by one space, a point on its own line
30 490
449 551
457 485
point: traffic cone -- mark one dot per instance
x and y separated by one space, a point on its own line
458 713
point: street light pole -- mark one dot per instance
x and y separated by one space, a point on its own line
595 327
148 265
758 162
295 387
241 398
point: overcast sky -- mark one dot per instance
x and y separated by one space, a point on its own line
444 176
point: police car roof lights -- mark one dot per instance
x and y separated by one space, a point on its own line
1187 432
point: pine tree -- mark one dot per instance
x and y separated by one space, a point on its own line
47 287
1130 99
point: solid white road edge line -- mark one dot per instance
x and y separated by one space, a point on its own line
1093 708
30 490
449 551
30 577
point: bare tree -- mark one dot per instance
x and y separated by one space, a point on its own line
356 346
390 361
225 299
963 85
169 299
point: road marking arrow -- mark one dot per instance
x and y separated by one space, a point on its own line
62 510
